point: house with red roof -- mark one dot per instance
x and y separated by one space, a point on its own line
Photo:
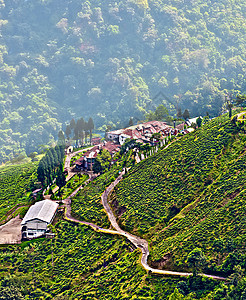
87 160
141 132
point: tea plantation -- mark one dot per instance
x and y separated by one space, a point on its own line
189 195
77 264
16 182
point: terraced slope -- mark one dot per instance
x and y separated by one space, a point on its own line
188 195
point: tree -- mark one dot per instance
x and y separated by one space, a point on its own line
80 126
156 136
68 131
179 113
176 295
60 179
97 168
161 113
61 138
240 99
186 114
76 133
72 124
199 122
32 155
90 127
196 260
193 125
237 276
41 171
183 287
104 158
86 131
131 122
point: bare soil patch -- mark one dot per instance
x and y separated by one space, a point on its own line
10 233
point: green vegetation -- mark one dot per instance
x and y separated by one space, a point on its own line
87 206
189 195
110 59
16 184
78 264
50 167
187 200
71 186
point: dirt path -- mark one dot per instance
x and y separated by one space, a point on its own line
10 233
137 241
67 166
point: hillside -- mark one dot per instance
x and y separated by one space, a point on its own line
191 194
16 184
110 60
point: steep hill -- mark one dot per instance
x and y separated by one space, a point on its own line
191 194
110 60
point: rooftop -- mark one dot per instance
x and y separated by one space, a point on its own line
43 210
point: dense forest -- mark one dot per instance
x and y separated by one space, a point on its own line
112 61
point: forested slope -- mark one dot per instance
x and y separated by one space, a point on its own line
110 59
191 194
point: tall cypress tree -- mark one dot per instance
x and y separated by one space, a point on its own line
81 128
55 157
41 172
90 127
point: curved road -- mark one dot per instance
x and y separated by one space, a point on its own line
137 241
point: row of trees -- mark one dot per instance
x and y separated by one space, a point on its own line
79 130
51 166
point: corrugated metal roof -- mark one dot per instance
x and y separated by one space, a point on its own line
43 210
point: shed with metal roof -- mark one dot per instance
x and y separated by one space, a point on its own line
38 217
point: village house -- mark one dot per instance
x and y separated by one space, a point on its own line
37 218
141 132
86 162
96 141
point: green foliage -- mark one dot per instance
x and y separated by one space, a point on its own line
86 265
110 59
70 186
51 165
16 184
196 260
160 114
188 195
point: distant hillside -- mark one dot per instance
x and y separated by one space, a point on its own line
109 60
191 194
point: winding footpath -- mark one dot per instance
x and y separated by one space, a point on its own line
135 240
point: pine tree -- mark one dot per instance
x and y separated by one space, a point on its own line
179 113
68 131
60 179
81 128
41 172
90 127
61 138
186 114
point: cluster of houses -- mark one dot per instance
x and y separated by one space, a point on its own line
115 139
142 132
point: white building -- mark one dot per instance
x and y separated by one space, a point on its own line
38 217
